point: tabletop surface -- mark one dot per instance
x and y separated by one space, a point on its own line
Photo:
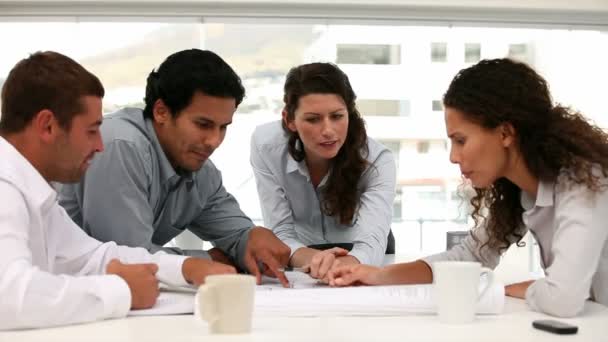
515 324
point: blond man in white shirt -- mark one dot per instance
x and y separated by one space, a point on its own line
51 272
536 167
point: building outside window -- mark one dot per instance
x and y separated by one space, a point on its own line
383 107
394 90
437 106
520 52
368 54
472 52
423 147
439 52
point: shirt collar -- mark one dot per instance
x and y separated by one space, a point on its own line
544 196
24 175
294 166
167 172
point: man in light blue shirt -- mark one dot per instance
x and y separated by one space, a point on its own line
154 180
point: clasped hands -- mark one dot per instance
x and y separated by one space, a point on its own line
322 262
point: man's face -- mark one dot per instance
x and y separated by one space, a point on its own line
74 148
190 138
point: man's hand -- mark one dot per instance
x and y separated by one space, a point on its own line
217 255
355 275
195 270
265 248
141 279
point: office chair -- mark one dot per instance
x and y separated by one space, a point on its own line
390 244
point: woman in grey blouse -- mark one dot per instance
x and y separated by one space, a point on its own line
536 167
320 178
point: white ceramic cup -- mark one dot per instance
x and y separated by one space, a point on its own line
226 302
456 289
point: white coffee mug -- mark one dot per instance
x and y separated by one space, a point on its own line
226 302
456 289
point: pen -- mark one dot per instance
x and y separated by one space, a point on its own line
304 269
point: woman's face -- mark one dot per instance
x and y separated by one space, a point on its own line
321 121
480 152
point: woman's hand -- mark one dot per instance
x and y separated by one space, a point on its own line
518 290
355 275
323 261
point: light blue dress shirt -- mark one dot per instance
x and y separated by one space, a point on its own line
291 206
570 224
131 194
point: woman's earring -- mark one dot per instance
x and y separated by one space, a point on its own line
298 144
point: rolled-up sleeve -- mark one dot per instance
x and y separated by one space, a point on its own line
375 212
83 255
273 201
470 249
580 234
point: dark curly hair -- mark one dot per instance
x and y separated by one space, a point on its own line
186 72
341 194
554 141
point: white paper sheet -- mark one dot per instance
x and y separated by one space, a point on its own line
315 299
364 301
169 303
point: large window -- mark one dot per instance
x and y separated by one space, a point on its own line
121 54
398 73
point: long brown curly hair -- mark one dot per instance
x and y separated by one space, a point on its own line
341 195
554 141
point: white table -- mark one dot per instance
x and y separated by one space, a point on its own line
515 324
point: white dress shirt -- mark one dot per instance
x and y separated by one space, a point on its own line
291 205
570 224
51 272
